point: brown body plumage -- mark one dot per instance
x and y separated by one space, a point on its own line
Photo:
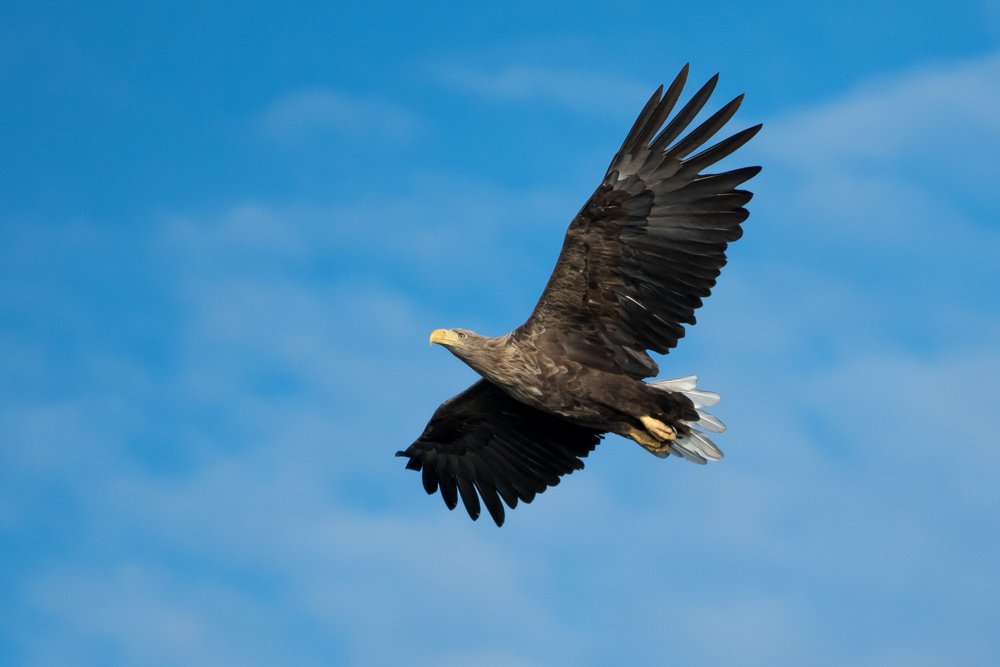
537 372
636 262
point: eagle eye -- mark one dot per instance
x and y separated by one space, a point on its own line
461 335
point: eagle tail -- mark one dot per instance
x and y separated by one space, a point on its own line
695 446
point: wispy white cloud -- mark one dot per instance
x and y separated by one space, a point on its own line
149 615
583 91
917 115
901 165
309 113
478 233
881 199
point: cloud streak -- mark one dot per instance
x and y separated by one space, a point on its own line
312 113
582 91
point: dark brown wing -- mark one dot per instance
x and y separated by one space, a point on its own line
483 440
648 246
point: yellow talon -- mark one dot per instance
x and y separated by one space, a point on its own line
658 428
648 441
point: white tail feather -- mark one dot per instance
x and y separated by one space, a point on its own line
705 446
702 399
682 447
695 446
710 423
686 383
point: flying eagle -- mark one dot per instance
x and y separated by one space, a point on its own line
637 261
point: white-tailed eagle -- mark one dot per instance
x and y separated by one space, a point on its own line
636 263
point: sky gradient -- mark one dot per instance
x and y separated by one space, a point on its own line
226 231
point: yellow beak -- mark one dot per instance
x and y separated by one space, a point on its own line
445 337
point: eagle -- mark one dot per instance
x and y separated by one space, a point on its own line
636 262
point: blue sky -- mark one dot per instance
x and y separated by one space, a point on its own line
226 231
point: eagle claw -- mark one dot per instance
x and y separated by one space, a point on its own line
659 430
650 439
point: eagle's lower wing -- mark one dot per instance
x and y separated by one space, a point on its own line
648 246
483 440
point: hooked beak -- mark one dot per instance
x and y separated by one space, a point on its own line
445 337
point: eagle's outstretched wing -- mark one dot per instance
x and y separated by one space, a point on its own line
648 246
485 440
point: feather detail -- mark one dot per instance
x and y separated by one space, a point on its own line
694 446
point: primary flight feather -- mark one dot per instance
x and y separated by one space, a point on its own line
637 261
